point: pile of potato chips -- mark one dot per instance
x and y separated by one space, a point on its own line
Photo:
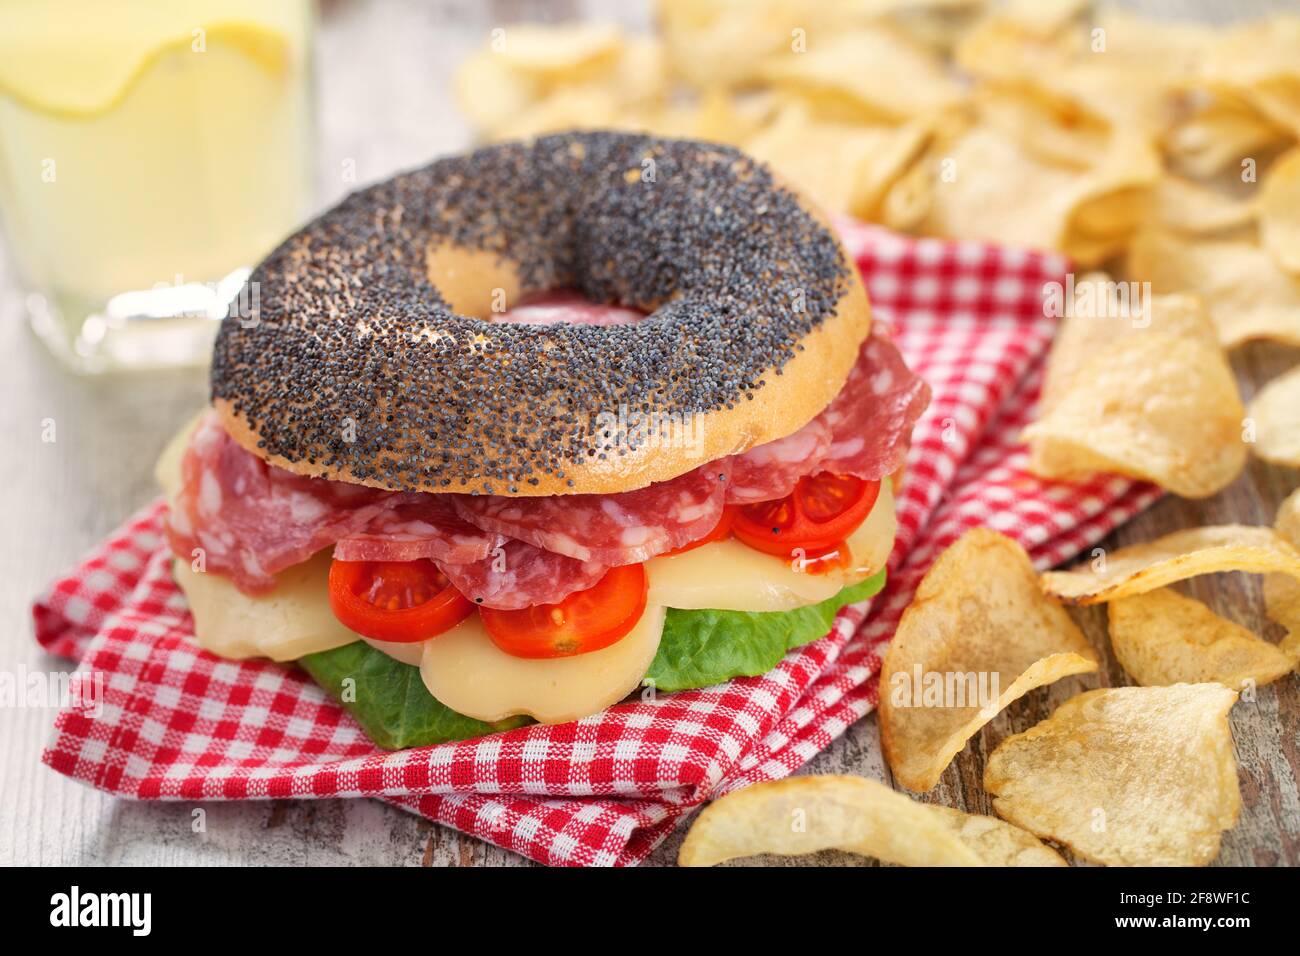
1164 151
1037 122
1125 776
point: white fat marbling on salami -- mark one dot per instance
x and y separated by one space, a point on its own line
865 431
617 529
519 575
418 526
872 417
773 469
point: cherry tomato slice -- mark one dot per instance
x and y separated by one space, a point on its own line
584 621
720 532
399 601
823 510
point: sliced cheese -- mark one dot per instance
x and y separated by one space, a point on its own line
408 652
284 624
730 576
466 671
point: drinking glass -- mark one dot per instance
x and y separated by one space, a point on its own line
150 152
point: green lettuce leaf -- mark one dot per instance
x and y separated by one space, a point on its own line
698 648
391 702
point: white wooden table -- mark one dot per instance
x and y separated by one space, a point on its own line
384 69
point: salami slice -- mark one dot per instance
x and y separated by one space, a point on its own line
865 431
249 519
771 470
565 306
519 575
871 418
612 530
418 526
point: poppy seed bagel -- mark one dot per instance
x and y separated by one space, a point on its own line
370 355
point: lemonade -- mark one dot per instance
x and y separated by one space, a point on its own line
150 151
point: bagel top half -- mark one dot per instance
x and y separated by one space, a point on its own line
367 352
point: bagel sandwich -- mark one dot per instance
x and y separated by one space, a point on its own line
513 435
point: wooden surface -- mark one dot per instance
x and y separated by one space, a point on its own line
385 104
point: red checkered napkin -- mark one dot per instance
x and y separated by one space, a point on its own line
179 724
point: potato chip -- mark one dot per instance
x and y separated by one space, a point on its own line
937 26
1189 207
839 78
1287 521
1130 95
902 147
1020 40
978 635
1043 128
1116 398
801 815
1115 196
729 42
822 158
1218 136
725 42
1094 311
1279 203
1140 568
1040 18
1126 776
490 93
998 843
1248 296
844 167
577 107
1119 74
538 78
572 52
1279 99
717 115
1275 412
640 73
1282 592
1163 637
1097 311
990 188
1176 47
1260 60
907 202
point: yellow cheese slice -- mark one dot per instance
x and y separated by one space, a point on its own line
406 652
466 671
284 624
731 576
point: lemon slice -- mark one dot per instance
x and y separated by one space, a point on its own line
80 58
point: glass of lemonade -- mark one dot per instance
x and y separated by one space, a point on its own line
150 152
